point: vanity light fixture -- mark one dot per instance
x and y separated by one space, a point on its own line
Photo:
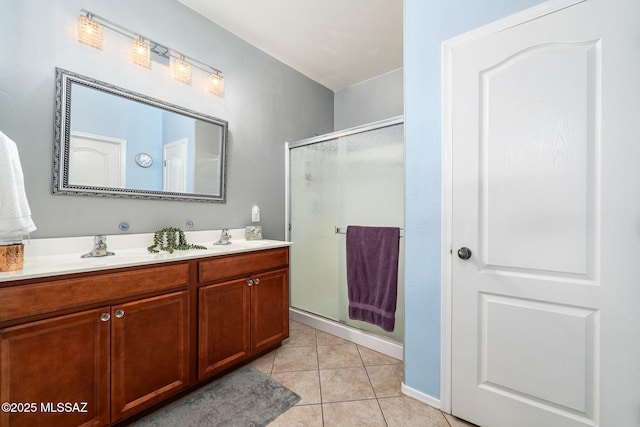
141 53
89 31
145 50
181 70
215 84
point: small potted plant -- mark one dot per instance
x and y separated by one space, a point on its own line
170 239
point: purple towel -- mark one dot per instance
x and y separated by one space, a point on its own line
372 274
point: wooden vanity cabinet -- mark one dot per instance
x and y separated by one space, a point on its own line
99 365
224 331
245 316
269 309
62 359
93 349
66 359
149 352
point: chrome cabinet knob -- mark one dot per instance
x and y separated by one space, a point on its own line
105 316
119 313
256 281
249 282
464 253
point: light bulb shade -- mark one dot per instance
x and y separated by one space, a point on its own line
89 32
215 83
141 53
182 71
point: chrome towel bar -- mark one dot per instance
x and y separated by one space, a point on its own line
342 229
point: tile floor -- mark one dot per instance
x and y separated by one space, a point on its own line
344 384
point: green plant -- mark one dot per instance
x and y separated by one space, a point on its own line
165 240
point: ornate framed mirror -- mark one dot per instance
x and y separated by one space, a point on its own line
113 142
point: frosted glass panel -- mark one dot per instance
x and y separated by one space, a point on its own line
314 211
353 180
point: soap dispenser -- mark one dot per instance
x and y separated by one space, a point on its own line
254 232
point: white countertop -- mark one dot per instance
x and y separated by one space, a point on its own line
57 256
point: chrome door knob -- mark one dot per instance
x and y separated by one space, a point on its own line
119 313
256 281
464 253
249 282
105 316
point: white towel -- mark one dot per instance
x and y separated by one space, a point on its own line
15 215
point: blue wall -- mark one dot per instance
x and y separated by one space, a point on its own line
427 25
139 124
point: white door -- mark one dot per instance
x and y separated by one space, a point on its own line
96 160
545 160
174 166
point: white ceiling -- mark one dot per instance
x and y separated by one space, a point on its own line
337 43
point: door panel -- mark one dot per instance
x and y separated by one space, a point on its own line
223 326
513 332
149 352
544 193
62 359
534 174
269 314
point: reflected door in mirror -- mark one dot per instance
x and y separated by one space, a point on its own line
174 168
97 160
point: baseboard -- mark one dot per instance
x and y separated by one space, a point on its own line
420 396
365 339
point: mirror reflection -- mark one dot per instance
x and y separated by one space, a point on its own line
114 142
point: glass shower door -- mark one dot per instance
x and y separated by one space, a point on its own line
356 179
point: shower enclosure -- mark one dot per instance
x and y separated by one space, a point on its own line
352 177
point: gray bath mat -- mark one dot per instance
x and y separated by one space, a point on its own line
245 398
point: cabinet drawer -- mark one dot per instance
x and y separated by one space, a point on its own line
242 264
45 297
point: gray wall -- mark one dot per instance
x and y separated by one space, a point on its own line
266 103
369 101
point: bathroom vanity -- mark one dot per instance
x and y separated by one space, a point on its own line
95 344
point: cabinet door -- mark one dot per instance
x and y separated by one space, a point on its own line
149 352
59 368
223 329
269 309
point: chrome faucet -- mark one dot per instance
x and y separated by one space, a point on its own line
225 238
99 247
